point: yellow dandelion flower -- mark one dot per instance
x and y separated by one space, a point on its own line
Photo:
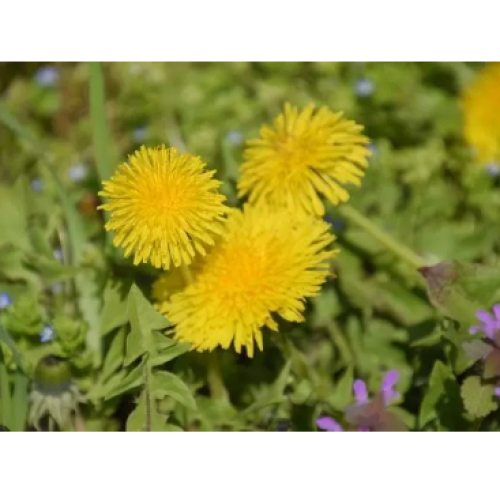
164 207
265 265
306 153
482 114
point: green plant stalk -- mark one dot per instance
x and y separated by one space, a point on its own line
100 130
5 398
214 377
402 251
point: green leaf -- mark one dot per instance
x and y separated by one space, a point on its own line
114 310
168 384
115 355
120 384
13 221
459 289
20 402
342 394
478 398
143 320
440 374
7 340
5 398
103 145
170 353
136 421
282 381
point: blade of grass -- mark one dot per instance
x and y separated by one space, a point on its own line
103 147
20 406
5 398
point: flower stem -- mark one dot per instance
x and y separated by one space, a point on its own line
402 251
214 377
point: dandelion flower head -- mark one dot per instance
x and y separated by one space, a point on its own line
306 154
265 265
164 207
482 114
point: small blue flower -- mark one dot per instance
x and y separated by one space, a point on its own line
58 254
5 300
364 87
234 137
47 334
493 169
78 172
140 134
37 185
47 76
373 149
338 224
56 288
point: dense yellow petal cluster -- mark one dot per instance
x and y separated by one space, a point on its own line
482 114
164 207
266 264
305 155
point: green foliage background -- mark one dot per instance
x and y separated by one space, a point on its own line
423 190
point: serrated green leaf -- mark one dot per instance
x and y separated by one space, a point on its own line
478 398
168 384
120 383
143 320
114 310
136 346
115 355
170 353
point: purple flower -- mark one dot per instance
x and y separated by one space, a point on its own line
326 423
369 415
47 76
5 300
486 349
364 87
490 325
372 415
390 380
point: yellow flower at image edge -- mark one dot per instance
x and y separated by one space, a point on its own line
164 207
264 265
482 114
305 155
